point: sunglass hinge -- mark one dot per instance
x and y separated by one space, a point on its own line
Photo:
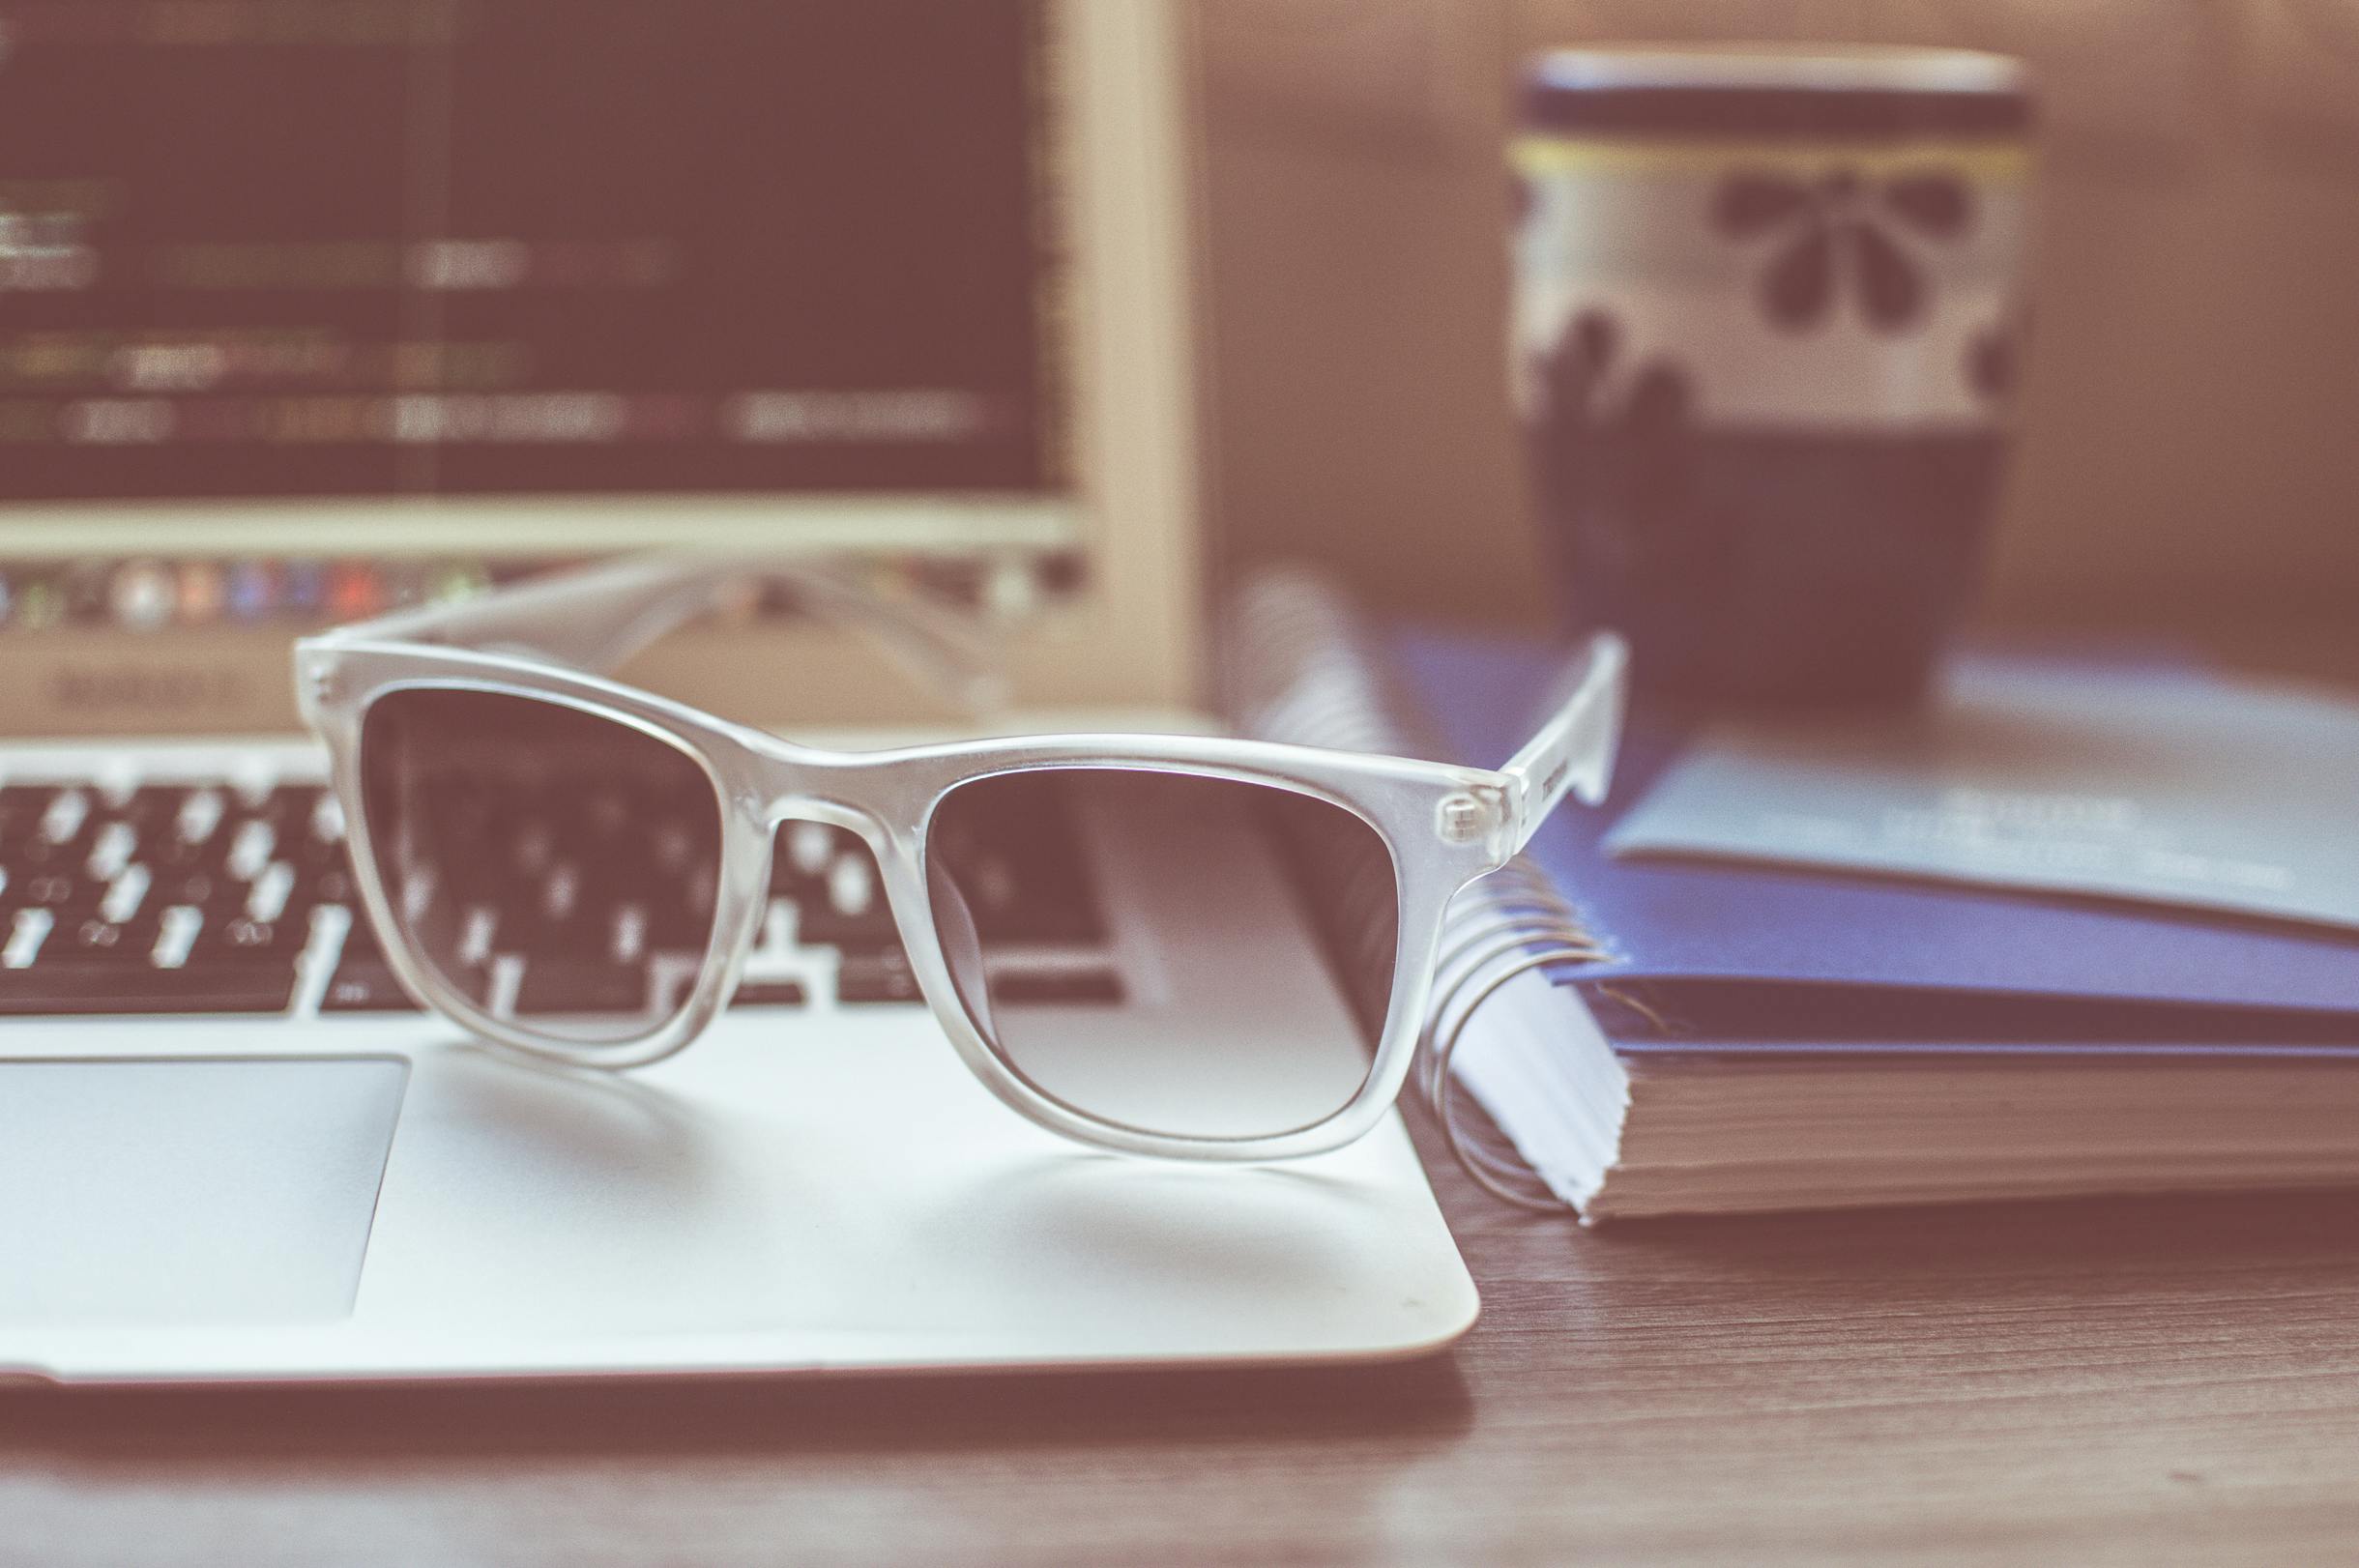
1465 819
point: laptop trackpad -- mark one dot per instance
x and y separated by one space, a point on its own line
190 1191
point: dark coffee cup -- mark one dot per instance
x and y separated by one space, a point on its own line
1766 313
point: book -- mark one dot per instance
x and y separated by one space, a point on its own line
2117 779
1738 1027
1754 924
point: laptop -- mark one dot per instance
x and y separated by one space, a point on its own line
373 305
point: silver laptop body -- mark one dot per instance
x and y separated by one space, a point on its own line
230 1149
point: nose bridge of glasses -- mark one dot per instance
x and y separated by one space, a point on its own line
888 808
802 806
783 783
844 793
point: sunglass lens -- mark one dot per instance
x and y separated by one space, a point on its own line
557 869
1219 965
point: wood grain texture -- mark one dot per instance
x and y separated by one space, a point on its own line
2085 1383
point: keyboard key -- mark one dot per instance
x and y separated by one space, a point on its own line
851 886
68 810
1018 987
810 847
555 986
250 848
845 907
26 937
111 849
241 937
126 894
364 985
176 932
876 978
266 900
199 816
112 986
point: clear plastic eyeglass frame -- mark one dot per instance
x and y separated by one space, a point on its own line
1445 825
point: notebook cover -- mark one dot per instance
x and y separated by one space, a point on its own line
1775 939
2074 775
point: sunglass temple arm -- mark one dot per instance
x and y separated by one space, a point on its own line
1574 750
596 618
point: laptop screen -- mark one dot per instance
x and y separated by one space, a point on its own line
348 263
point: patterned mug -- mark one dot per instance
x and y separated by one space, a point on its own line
1765 322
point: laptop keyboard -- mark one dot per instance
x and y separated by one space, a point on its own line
222 896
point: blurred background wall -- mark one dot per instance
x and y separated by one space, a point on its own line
2190 443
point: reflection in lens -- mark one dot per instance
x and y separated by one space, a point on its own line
558 869
1224 961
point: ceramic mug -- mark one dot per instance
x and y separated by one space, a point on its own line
1767 314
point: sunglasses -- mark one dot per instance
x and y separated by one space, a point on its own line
1164 944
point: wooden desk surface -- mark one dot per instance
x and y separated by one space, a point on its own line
2089 1382
2094 1383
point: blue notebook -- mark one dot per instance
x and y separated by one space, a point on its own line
1760 954
1742 1033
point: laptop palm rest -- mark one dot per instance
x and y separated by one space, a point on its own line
188 1192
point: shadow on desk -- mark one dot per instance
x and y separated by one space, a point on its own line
683 1417
2085 1381
2168 1244
1565 1304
